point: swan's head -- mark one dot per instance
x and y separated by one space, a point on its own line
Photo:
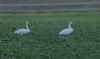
70 22
27 22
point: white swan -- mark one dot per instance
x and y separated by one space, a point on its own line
66 31
23 30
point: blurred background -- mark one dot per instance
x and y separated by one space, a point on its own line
48 5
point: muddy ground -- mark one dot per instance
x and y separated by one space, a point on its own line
88 6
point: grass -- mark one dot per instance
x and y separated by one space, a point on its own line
44 43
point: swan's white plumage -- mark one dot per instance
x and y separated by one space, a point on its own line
66 31
23 30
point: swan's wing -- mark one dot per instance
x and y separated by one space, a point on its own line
20 31
63 32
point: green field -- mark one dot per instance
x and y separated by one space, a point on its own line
44 42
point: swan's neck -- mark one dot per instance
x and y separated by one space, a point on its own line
69 26
27 26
